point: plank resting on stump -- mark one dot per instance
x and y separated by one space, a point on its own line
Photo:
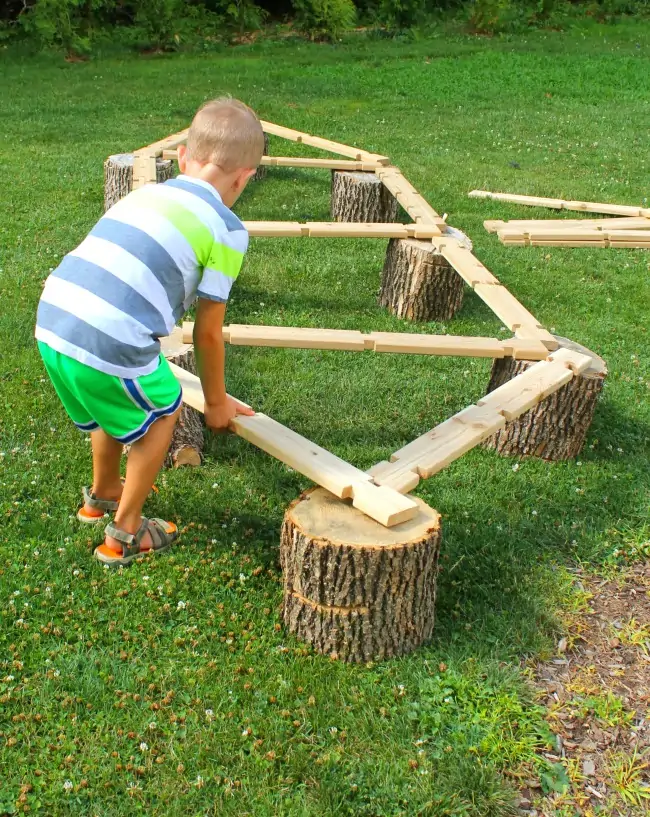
118 176
360 196
556 428
186 447
419 284
354 589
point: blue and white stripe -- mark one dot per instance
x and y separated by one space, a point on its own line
132 278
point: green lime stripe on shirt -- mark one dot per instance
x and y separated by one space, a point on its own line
225 259
198 236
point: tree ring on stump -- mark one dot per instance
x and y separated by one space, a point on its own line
419 284
556 428
358 196
118 176
354 589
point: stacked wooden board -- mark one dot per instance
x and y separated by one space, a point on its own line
631 229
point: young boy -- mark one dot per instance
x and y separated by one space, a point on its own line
104 308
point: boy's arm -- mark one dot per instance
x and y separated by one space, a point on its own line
210 353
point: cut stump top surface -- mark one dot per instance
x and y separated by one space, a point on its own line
321 515
597 367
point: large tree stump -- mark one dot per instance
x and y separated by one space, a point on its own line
118 176
418 284
354 589
361 197
186 447
556 428
262 170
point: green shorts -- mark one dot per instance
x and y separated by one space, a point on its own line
124 408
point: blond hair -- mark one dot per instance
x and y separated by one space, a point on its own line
226 133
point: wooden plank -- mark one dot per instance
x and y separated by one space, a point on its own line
334 229
327 164
436 449
381 342
296 338
411 200
504 305
324 144
535 332
532 225
168 143
561 204
144 170
337 476
403 343
299 161
525 349
466 264
276 229
528 389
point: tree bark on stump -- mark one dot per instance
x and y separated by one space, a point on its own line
557 427
361 197
186 447
118 176
262 170
418 284
353 589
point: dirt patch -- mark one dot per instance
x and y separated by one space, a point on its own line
597 693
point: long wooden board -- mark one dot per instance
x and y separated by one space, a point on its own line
334 229
299 161
532 225
411 200
324 144
562 204
577 238
439 447
381 503
291 337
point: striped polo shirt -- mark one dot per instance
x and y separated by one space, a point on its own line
137 272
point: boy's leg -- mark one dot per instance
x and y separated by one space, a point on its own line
107 452
145 460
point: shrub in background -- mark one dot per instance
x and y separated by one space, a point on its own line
324 19
402 15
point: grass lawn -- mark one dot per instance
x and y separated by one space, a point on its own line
171 688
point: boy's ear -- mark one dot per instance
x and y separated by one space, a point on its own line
182 158
243 176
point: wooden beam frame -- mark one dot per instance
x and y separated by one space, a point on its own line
378 492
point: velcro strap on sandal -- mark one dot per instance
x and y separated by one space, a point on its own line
130 541
93 501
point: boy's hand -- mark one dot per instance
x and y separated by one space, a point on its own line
219 415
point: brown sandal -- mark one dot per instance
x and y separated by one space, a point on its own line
99 507
162 534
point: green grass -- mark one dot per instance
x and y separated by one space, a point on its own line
234 716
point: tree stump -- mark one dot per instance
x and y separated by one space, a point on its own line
262 170
418 284
556 428
361 197
354 589
118 176
186 447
